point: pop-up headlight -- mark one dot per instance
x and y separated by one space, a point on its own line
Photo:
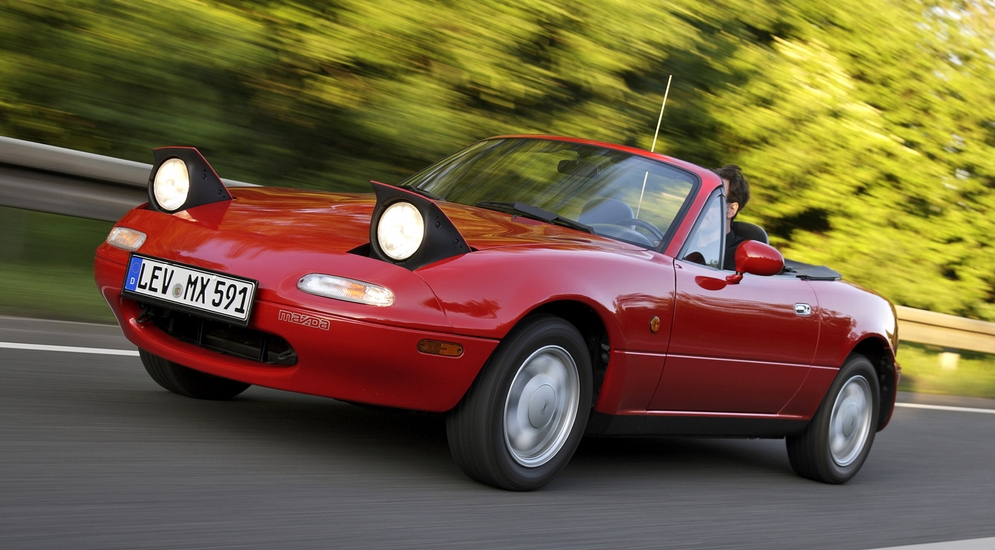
410 230
171 185
401 230
349 290
182 179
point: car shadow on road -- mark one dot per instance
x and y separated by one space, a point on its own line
333 434
683 456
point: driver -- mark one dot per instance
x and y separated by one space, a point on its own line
737 191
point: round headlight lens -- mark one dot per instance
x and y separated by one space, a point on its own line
172 184
401 230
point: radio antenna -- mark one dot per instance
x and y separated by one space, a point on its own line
653 147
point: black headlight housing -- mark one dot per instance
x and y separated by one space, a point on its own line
441 239
205 186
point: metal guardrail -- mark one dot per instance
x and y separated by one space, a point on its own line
948 331
63 181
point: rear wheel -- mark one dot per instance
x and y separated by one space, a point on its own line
522 419
839 438
189 382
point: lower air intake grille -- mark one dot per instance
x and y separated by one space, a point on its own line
222 337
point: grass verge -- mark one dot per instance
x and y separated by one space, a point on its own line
972 375
46 266
61 292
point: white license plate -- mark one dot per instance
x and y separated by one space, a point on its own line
189 288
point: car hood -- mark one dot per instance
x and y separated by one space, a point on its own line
341 222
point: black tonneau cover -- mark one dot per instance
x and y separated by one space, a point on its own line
810 272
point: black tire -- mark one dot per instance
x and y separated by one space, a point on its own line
189 382
855 398
541 374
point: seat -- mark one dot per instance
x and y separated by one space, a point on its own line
605 211
603 215
750 232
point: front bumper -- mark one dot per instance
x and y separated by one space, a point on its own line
338 357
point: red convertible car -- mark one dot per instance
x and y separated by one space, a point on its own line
535 289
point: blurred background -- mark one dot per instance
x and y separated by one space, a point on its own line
866 127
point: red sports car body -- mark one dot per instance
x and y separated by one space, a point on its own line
534 288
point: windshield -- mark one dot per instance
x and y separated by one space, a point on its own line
616 194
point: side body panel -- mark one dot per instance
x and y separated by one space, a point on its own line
737 348
847 317
851 317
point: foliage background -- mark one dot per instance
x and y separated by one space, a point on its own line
867 128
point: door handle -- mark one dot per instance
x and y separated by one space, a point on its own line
803 310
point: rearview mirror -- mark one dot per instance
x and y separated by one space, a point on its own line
578 168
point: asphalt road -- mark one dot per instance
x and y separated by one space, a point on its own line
94 455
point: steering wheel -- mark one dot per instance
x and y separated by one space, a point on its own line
654 230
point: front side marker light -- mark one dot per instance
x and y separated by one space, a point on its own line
126 239
349 290
435 347
171 185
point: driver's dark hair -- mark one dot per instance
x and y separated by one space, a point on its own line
739 188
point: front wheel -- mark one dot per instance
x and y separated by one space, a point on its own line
522 419
189 382
839 438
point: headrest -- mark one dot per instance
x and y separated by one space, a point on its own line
750 231
605 211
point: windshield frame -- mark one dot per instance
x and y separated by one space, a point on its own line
695 179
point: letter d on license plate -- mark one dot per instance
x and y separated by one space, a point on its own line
192 289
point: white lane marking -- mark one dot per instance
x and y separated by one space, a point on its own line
68 349
973 544
134 353
945 408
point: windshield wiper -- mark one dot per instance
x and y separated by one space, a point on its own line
534 212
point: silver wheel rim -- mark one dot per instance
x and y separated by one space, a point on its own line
850 423
541 406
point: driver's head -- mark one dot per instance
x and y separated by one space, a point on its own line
737 189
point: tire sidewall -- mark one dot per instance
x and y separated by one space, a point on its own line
856 366
189 382
502 369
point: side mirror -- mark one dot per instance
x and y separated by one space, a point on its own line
756 258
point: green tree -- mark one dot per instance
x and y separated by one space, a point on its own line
866 128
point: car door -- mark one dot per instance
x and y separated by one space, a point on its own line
734 348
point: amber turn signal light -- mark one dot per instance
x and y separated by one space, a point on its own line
435 347
654 324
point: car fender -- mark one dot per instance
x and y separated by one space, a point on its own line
850 315
485 293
